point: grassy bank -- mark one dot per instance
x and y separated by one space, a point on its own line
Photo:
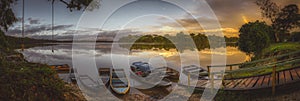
21 80
271 51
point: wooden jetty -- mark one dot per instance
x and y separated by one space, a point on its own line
268 80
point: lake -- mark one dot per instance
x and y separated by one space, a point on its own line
106 55
102 52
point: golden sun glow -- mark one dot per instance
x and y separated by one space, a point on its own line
167 29
245 19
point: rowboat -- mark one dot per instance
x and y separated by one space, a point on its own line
64 67
104 75
118 81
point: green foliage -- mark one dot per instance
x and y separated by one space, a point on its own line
21 80
24 81
7 16
180 41
273 49
254 36
4 45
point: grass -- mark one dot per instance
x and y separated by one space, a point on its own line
280 47
257 72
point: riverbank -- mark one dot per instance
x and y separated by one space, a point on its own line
268 57
22 80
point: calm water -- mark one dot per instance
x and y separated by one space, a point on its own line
103 54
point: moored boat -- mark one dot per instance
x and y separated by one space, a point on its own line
104 75
144 73
64 67
118 81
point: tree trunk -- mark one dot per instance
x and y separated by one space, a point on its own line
277 37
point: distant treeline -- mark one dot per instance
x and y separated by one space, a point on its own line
180 41
15 42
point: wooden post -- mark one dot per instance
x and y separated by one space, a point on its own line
208 70
212 82
223 76
189 79
273 80
230 68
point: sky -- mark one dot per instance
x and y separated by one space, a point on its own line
144 17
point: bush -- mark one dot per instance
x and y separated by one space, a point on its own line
29 82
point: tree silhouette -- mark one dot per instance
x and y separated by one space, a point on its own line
80 4
287 19
283 19
7 16
269 9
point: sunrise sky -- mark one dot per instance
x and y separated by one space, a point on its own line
230 13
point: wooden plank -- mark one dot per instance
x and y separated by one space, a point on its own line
271 79
266 81
259 82
298 71
295 76
253 82
287 75
200 83
281 78
235 83
204 83
246 83
239 82
231 83
242 83
225 82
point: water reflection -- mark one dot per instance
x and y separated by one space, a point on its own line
102 52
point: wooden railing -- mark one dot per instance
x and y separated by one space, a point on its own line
271 62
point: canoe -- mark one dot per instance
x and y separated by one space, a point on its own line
104 75
118 81
64 67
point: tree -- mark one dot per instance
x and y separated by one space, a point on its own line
287 19
254 37
283 19
7 16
